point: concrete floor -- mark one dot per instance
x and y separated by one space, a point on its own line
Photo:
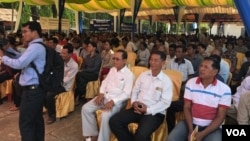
65 129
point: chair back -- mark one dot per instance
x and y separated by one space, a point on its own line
79 62
137 70
228 61
131 59
240 60
176 78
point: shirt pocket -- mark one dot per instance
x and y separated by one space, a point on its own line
121 83
157 93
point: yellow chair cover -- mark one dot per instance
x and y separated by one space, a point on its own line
6 88
131 58
79 61
92 89
228 61
65 103
176 78
137 70
240 60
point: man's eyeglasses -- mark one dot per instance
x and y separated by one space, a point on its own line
116 59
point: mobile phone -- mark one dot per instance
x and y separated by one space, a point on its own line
140 105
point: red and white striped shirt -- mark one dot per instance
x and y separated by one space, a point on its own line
205 101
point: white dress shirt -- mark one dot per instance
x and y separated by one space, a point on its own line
70 70
186 68
155 92
117 85
242 89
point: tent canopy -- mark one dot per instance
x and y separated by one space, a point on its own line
98 5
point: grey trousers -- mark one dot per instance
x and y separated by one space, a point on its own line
89 122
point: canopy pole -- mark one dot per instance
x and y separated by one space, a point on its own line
19 13
77 21
136 4
120 18
61 9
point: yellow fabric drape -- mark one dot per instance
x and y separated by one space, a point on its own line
6 88
131 59
240 60
65 103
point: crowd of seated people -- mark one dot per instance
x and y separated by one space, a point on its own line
184 53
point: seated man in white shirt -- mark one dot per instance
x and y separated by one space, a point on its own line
241 90
151 96
70 70
114 91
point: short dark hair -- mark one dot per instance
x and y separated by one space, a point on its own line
230 43
144 44
54 39
11 39
216 61
124 53
77 40
160 53
34 26
194 47
93 44
115 42
172 46
69 47
202 46
182 47
247 54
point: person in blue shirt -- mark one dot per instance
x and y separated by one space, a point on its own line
31 122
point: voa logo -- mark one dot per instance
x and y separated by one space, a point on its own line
236 132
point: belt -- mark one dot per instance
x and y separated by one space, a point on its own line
31 87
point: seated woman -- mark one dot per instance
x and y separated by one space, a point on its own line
106 56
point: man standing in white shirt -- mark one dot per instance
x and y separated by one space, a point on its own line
151 96
114 91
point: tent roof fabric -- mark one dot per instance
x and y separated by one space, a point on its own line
148 7
90 5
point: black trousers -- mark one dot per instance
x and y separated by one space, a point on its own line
82 78
17 92
175 106
147 124
31 123
50 102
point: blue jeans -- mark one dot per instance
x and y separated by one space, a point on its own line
180 133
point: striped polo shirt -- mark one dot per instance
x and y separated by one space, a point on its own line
205 101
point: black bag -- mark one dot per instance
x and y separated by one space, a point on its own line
52 78
17 88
